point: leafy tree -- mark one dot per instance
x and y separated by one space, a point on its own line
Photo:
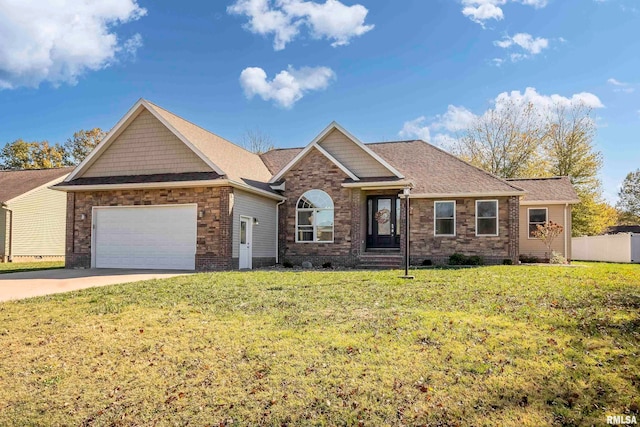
20 154
256 141
82 143
505 140
629 202
569 145
592 216
547 233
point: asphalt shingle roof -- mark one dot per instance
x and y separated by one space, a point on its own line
433 171
13 183
556 188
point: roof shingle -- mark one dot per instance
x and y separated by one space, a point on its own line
558 189
14 183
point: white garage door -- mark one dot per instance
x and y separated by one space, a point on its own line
148 237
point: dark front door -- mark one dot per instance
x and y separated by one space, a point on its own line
383 219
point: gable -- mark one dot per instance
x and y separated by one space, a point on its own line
314 168
145 147
352 156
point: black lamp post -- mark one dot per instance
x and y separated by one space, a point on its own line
406 192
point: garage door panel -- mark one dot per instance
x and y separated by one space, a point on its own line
153 237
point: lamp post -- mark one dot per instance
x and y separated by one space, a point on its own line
406 192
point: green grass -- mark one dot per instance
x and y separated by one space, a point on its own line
16 267
481 346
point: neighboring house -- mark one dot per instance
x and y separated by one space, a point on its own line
161 192
32 216
547 199
618 229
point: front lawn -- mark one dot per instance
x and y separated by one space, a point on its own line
480 346
16 267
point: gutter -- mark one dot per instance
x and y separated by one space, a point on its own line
171 184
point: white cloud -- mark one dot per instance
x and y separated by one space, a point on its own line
481 11
288 86
416 128
442 129
621 86
441 126
525 41
331 20
59 41
543 102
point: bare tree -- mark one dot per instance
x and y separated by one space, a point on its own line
256 141
506 140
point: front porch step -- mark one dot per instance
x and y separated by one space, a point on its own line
381 261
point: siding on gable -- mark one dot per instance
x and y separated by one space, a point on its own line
353 157
534 247
146 147
264 234
4 233
39 223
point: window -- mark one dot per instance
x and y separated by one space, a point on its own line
486 217
314 217
445 218
537 217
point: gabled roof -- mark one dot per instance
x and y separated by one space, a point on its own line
225 158
236 163
433 171
316 144
15 183
438 173
557 189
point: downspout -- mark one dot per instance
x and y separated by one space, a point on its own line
10 255
278 229
565 230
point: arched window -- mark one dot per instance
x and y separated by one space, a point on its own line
314 217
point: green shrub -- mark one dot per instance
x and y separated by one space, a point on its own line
287 264
326 265
457 259
529 259
427 262
557 258
460 259
507 261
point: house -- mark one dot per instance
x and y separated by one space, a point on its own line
161 192
32 216
547 199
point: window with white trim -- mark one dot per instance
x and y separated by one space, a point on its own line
486 217
537 216
444 218
314 217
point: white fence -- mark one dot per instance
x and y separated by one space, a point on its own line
610 248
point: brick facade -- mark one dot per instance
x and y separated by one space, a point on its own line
315 171
426 246
214 235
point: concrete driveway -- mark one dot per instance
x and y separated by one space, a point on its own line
37 283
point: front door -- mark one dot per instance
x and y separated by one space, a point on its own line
383 219
246 237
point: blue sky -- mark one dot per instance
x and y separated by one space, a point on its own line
384 70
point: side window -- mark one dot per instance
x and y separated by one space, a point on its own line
314 217
486 217
445 218
537 217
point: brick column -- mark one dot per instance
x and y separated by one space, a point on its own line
514 228
356 229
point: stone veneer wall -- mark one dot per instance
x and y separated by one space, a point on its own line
315 171
424 245
214 235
